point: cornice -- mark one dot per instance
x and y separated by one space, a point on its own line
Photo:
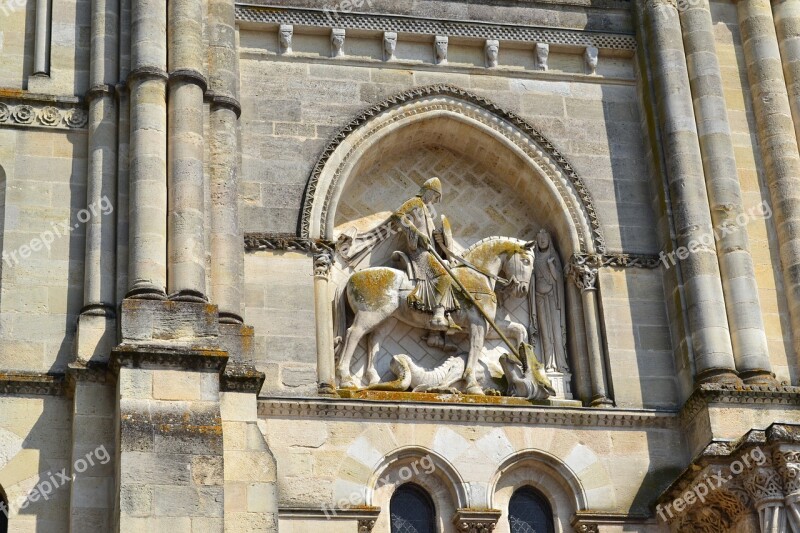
31 384
423 26
534 415
239 377
148 356
716 393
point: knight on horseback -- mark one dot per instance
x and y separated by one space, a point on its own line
433 287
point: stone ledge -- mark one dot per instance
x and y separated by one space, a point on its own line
709 393
471 399
148 356
505 414
32 384
239 377
344 513
590 521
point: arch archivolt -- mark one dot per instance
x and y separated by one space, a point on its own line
365 139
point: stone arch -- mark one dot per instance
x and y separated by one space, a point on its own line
465 122
424 467
549 475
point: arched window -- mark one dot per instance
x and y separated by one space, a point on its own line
530 512
412 510
3 512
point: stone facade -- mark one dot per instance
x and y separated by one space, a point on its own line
183 190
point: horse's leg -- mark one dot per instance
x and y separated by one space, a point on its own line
477 336
364 322
514 331
374 346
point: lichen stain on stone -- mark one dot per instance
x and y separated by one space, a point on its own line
371 286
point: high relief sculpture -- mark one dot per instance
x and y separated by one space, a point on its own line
446 293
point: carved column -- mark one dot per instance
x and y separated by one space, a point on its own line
123 142
763 484
583 272
787 24
725 196
705 302
96 331
187 85
776 137
324 322
226 239
147 268
787 462
41 54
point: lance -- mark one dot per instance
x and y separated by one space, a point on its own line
472 300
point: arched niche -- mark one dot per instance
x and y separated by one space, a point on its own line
442 116
544 473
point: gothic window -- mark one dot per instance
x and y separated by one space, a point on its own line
530 512
412 510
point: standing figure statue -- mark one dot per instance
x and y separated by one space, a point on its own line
433 289
550 305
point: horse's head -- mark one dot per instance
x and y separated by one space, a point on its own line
519 269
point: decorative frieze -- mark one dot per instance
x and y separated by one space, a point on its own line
42 115
421 26
31 384
254 242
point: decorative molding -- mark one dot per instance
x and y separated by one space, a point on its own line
506 414
32 113
32 384
421 26
366 516
255 242
147 356
574 184
590 521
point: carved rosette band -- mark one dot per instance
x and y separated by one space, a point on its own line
42 116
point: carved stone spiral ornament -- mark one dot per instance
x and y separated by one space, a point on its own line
49 116
23 114
76 118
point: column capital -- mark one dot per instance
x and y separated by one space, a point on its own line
582 270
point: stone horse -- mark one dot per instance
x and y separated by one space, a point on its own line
379 293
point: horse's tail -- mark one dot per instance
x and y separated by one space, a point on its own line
339 319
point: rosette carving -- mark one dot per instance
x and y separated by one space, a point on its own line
50 116
23 114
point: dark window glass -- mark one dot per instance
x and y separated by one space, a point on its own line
412 510
3 512
529 512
